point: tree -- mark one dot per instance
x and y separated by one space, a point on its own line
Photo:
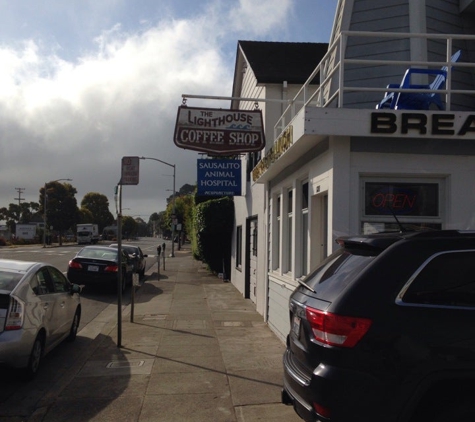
98 205
18 214
85 216
61 206
142 227
129 227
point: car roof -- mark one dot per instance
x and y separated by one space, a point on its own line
99 247
383 240
16 265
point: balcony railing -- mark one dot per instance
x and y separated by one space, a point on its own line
337 86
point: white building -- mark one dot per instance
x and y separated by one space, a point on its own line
334 164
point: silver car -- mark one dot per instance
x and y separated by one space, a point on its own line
39 308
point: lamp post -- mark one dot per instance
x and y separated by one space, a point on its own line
172 255
44 209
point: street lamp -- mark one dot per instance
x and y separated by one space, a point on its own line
172 255
44 209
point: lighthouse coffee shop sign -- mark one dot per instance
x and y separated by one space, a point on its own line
219 132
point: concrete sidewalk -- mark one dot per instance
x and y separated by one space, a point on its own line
196 351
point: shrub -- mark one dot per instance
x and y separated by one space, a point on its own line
214 228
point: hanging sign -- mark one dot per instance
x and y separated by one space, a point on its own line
219 177
219 132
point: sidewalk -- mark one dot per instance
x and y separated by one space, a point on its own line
196 351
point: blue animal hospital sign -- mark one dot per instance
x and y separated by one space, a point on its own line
219 177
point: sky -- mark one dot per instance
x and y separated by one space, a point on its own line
84 83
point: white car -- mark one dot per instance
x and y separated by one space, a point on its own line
39 308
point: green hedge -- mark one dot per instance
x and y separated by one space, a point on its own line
214 221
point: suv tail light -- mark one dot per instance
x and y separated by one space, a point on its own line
337 330
15 315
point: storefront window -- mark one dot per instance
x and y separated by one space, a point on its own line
393 205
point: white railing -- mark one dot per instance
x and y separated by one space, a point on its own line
331 89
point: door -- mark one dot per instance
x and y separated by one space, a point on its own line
65 303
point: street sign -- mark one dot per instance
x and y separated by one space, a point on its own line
130 171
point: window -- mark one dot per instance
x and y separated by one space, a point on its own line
60 282
389 203
446 280
254 239
238 246
289 229
41 283
304 210
277 239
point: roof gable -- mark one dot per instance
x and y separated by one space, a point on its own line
275 62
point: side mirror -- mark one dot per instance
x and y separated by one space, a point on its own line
75 288
145 255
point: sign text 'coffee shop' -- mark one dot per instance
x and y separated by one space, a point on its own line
219 132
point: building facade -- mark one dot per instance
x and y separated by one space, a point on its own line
339 160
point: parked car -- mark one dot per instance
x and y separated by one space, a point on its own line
137 257
384 330
39 308
98 266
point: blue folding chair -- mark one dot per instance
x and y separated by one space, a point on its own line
417 100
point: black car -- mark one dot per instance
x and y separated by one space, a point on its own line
384 330
99 265
137 257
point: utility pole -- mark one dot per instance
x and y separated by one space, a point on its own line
19 199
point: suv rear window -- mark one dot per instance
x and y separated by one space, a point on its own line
337 271
448 279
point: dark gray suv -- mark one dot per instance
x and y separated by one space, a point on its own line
384 330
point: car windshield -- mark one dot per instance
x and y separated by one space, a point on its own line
9 280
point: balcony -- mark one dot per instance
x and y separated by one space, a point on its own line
358 67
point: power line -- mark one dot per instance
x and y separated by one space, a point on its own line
19 199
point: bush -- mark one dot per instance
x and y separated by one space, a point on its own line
214 229
3 242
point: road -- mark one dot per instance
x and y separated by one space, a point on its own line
18 398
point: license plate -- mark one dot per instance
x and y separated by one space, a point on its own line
93 268
296 325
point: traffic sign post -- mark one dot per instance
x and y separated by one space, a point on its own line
130 171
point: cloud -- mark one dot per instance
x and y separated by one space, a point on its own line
77 119
258 18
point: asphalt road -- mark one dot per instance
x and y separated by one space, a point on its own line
18 398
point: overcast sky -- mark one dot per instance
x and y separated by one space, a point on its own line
85 82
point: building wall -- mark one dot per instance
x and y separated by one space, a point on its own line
339 173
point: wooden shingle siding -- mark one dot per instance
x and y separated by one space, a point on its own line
380 16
